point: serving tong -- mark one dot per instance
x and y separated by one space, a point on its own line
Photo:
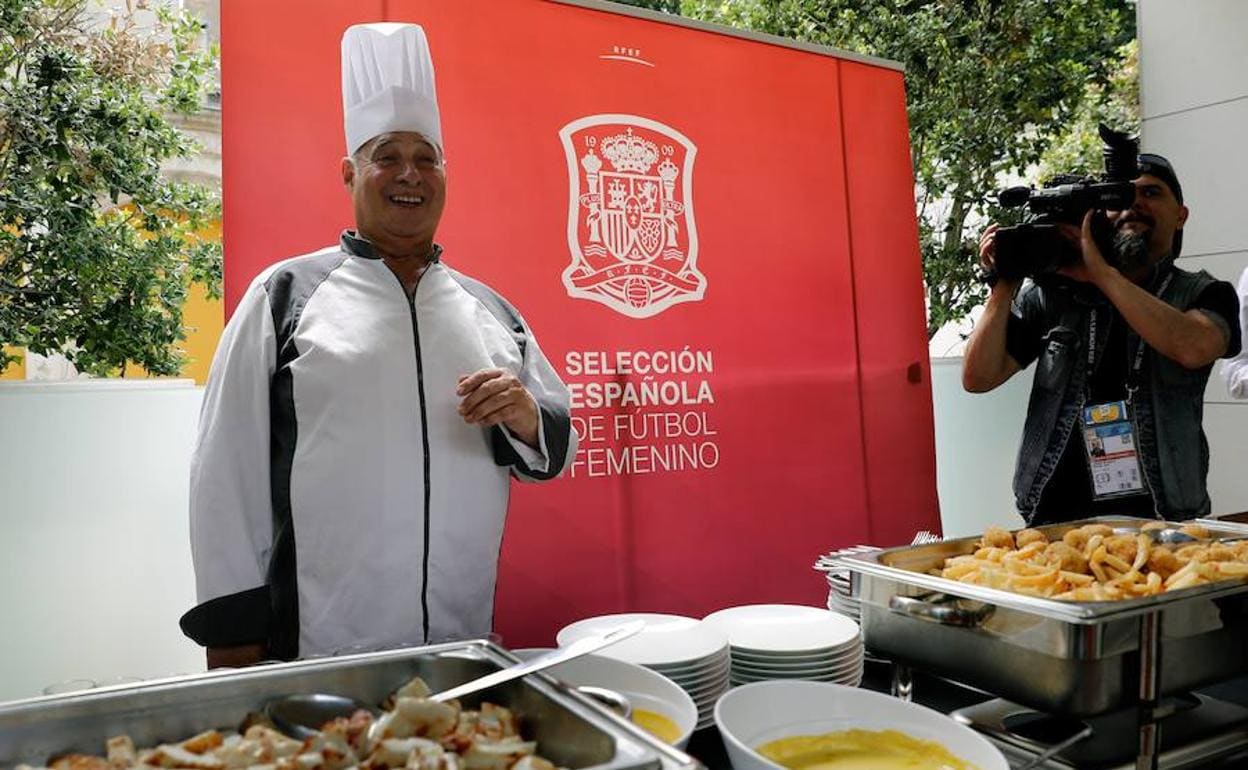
1174 536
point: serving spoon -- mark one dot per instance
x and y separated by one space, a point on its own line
1171 536
301 716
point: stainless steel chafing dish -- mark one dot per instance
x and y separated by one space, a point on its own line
569 729
1073 658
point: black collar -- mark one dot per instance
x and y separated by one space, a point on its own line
356 246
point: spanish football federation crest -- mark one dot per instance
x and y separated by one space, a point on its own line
630 214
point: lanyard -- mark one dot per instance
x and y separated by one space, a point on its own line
1138 360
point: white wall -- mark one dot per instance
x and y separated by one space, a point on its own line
94 547
1194 99
977 437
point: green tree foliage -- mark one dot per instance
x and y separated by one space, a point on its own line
990 85
664 6
1115 102
97 250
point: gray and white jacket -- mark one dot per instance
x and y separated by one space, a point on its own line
338 500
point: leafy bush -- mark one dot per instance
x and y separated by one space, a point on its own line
97 250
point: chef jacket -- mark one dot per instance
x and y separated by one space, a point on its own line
339 502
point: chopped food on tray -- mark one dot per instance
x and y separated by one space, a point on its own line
414 733
1095 563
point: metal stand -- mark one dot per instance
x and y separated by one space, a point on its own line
1150 684
903 683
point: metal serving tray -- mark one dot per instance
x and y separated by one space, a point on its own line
1076 658
569 729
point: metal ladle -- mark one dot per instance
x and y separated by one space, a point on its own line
301 716
609 698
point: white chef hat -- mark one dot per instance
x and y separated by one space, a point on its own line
387 83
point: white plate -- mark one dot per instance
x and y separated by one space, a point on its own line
802 666
754 714
706 689
666 639
835 676
706 704
698 688
757 656
788 663
849 681
783 628
698 667
798 672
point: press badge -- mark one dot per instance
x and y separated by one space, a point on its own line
1109 439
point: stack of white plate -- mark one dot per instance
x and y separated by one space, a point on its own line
685 650
790 641
840 588
841 598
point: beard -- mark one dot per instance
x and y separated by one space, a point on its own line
1131 250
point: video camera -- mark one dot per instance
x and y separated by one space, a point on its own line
1037 247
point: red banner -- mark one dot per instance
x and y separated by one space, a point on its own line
714 240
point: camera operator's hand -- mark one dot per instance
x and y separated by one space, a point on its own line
1093 269
987 363
988 259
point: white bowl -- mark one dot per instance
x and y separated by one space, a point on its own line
644 688
754 714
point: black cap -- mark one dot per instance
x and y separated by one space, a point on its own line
1159 167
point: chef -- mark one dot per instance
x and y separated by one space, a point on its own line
367 406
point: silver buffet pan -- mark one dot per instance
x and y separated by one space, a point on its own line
1075 658
569 729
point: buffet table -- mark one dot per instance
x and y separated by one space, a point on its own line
948 697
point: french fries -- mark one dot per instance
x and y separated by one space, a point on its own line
1091 563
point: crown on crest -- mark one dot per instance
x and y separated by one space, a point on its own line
591 162
668 171
630 153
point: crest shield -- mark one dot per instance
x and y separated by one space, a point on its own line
631 231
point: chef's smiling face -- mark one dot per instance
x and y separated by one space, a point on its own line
397 183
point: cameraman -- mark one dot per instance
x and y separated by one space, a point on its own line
1154 331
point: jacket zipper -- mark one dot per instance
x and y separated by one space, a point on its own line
424 440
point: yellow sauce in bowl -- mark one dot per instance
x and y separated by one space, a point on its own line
861 750
657 725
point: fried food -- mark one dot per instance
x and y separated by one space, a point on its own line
1093 563
1028 536
997 537
417 734
1065 558
1198 531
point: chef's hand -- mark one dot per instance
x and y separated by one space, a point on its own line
496 396
236 657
